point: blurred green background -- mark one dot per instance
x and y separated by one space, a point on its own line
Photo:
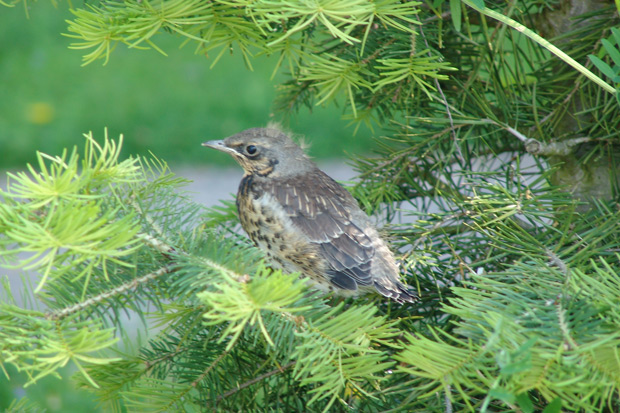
167 105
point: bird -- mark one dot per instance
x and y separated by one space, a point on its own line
306 222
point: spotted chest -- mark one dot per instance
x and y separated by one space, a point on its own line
271 229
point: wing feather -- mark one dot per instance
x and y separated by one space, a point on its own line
321 211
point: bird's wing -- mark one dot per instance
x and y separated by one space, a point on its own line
320 207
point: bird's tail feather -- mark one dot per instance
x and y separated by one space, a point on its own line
398 292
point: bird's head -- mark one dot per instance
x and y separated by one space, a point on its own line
265 152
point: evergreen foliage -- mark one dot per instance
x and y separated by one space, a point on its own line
507 168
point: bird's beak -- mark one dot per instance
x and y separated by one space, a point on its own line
219 145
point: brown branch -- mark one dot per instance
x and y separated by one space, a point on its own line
562 148
149 364
374 54
255 380
208 369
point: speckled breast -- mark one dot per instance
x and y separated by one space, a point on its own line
271 229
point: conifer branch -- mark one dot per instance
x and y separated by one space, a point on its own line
149 364
278 370
157 244
121 289
557 261
542 42
457 146
560 108
532 285
569 342
208 369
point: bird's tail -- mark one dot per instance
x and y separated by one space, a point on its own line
398 292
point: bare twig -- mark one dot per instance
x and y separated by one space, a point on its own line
512 130
535 147
255 380
447 400
562 148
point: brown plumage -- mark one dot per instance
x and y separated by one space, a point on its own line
305 221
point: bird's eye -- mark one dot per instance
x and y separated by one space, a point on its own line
251 150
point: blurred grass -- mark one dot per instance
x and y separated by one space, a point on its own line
167 105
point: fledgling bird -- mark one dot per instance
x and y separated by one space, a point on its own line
305 221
